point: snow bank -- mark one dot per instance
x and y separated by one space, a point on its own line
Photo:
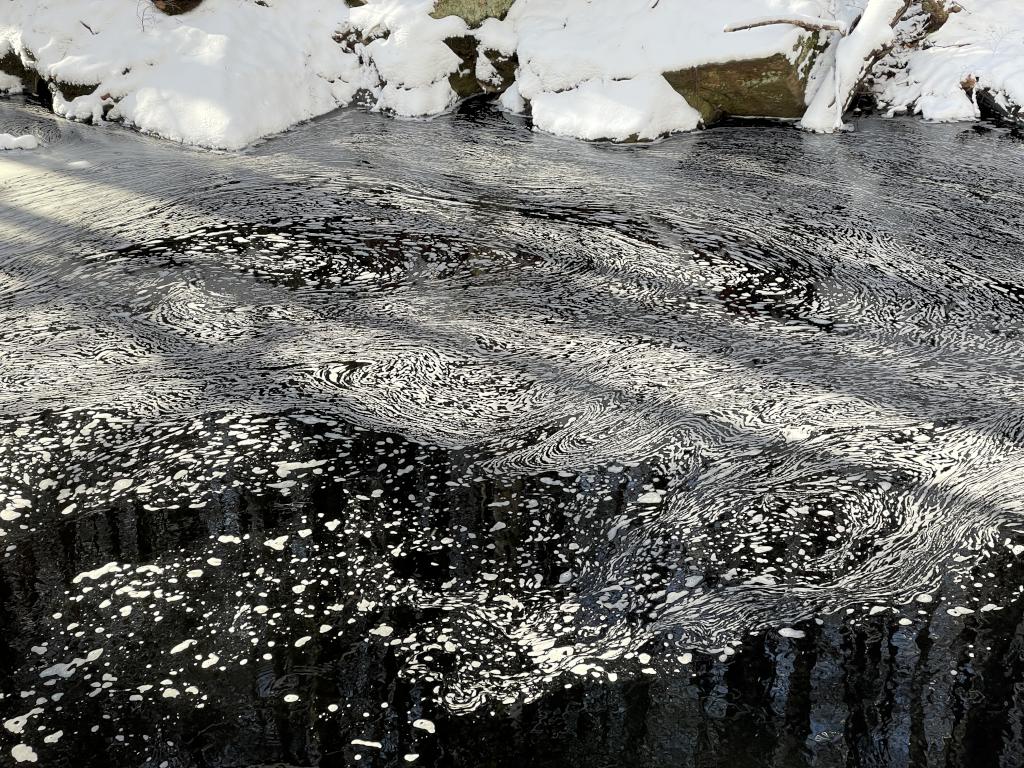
980 47
7 141
587 68
233 71
221 76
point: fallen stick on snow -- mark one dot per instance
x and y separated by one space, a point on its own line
806 22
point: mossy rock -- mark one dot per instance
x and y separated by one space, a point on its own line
473 12
768 87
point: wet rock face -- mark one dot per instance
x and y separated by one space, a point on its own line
71 91
463 80
44 90
11 64
473 12
497 73
995 106
504 73
768 87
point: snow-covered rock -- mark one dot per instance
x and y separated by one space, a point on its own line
643 107
406 55
222 75
561 45
232 71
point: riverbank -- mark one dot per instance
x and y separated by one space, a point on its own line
226 73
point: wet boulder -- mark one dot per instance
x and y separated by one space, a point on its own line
463 80
480 70
500 71
995 105
774 86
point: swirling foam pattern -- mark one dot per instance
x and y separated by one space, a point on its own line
538 409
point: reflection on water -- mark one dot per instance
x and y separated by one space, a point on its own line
450 443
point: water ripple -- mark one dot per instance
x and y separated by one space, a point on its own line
730 382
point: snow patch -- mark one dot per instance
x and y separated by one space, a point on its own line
7 141
645 107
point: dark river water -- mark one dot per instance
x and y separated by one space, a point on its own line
450 443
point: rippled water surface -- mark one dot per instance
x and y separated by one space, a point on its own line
450 443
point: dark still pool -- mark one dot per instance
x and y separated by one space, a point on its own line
453 444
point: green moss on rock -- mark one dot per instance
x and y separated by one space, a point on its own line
768 87
472 11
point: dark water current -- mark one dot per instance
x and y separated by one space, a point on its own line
454 444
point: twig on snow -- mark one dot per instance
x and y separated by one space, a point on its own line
805 22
